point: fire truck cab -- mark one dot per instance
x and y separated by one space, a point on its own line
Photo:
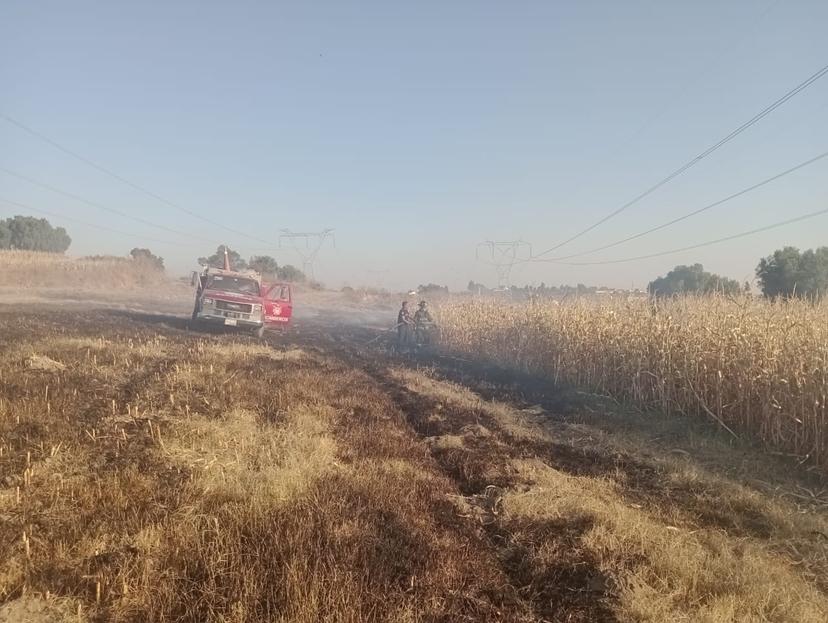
240 299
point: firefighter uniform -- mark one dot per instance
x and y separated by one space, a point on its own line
405 324
422 323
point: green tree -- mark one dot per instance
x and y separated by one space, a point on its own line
290 273
265 265
692 280
790 273
148 257
32 234
216 260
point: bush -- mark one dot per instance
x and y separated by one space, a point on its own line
290 273
692 280
147 257
264 265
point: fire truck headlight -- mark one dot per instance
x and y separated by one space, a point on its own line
206 301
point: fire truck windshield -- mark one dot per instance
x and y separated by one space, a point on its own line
226 283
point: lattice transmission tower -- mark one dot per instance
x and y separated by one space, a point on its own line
307 245
502 255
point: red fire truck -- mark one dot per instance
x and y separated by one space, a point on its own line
240 299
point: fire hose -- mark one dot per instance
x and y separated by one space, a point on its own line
414 327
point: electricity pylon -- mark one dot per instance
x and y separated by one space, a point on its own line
503 255
313 243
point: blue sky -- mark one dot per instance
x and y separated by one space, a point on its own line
418 129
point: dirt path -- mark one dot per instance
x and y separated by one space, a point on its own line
169 475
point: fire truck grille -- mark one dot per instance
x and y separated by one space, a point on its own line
243 308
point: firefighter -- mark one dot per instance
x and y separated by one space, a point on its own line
423 323
405 328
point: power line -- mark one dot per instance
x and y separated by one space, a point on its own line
23 206
755 119
122 179
690 214
704 244
93 204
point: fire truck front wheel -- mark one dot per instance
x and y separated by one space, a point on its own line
259 333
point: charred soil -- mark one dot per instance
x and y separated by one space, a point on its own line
161 474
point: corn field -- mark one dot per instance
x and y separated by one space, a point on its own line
758 368
55 270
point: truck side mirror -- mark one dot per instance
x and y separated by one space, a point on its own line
194 279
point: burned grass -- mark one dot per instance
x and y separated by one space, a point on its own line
654 538
160 475
557 577
166 476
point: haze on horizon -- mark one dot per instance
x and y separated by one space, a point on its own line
418 130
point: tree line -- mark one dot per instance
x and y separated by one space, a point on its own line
540 290
262 264
786 273
28 233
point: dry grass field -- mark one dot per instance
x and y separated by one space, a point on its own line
148 473
28 269
756 368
